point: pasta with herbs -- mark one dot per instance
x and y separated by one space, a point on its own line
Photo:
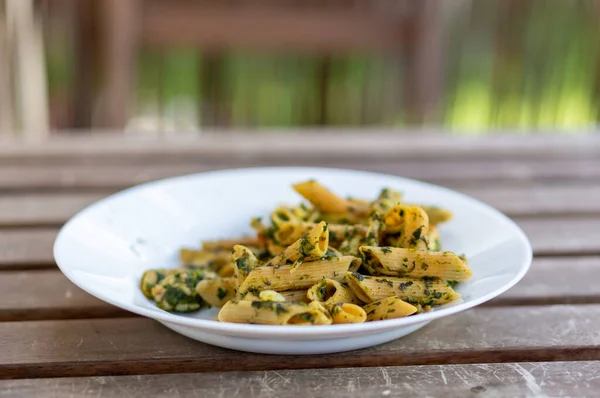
333 260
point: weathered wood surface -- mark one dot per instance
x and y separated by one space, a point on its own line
27 248
48 294
549 185
463 172
44 209
530 379
38 295
23 248
419 144
139 346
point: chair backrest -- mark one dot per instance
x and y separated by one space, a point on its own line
23 82
405 28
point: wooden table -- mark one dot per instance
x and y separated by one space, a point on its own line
540 338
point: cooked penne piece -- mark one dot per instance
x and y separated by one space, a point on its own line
433 239
151 278
436 215
216 292
227 244
388 308
288 233
425 291
280 278
397 261
411 222
244 260
322 198
177 291
270 295
310 246
295 295
273 313
387 199
227 270
347 313
284 215
211 259
331 292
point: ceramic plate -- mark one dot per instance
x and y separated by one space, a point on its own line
106 247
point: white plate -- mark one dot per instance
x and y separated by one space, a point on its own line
106 247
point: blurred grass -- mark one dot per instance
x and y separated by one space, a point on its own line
535 65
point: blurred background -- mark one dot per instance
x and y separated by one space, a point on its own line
162 66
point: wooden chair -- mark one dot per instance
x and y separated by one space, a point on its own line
409 29
23 85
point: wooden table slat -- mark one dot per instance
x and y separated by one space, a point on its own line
24 248
102 176
358 144
37 295
46 209
540 379
138 346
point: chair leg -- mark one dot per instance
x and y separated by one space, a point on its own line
6 97
32 92
424 71
119 37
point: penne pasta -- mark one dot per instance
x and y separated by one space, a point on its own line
151 278
433 239
311 246
411 222
396 261
388 308
217 292
227 244
302 267
322 198
177 291
273 313
280 278
387 199
436 215
331 292
210 259
295 295
227 270
288 233
271 295
244 261
429 291
347 313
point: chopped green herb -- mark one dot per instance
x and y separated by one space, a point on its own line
222 293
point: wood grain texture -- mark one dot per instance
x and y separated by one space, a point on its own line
356 144
214 26
48 209
540 379
456 173
25 248
143 346
39 295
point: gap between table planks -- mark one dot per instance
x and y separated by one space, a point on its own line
31 248
538 379
143 346
48 294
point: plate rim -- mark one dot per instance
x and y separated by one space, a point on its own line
264 331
